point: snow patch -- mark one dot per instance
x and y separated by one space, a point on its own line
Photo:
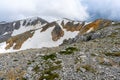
5 33
44 39
113 22
91 29
75 22
86 23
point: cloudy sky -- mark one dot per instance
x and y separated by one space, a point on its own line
54 9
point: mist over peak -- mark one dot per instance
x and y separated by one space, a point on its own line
83 10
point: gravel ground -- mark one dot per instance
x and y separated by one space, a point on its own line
96 59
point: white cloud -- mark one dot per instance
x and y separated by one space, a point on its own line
17 9
109 9
55 9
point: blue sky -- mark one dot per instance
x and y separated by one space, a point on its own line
55 9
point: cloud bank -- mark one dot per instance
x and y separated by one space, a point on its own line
49 9
108 9
54 9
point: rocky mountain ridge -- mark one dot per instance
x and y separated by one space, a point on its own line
14 36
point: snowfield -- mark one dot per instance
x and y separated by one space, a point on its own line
39 39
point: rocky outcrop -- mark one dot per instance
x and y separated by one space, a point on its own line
95 25
57 33
110 31
6 29
17 41
34 22
48 25
72 26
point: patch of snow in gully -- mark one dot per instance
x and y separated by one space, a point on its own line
44 39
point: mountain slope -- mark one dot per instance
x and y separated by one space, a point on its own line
93 56
38 33
74 51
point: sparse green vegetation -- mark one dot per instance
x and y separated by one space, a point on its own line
24 79
116 24
89 68
78 59
36 68
51 56
15 60
55 67
117 54
48 72
78 69
30 62
69 50
49 76
106 63
58 62
117 29
93 54
102 61
113 34
52 65
66 52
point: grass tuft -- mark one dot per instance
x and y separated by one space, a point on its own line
89 68
51 56
69 50
116 54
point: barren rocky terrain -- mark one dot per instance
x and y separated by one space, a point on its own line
93 56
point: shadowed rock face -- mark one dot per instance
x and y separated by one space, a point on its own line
4 37
34 22
17 41
48 25
57 33
71 26
8 28
16 25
